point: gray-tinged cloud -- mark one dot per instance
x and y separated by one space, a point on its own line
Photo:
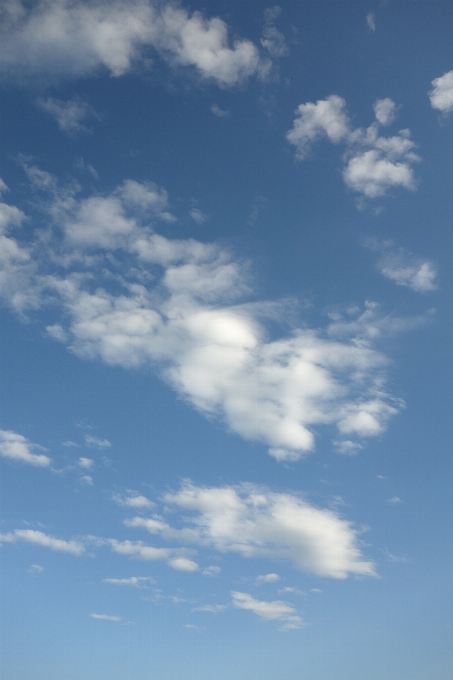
177 309
256 522
273 40
17 447
68 114
43 540
372 164
64 38
269 611
441 96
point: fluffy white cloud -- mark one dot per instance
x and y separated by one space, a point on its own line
269 611
404 268
17 447
441 96
86 463
60 37
373 164
255 522
175 310
132 581
68 114
183 564
44 540
137 501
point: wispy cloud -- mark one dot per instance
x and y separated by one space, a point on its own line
18 448
132 581
106 617
90 440
43 540
404 268
68 114
269 611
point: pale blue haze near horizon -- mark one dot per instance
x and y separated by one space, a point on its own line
225 427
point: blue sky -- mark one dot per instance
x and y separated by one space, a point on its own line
226 312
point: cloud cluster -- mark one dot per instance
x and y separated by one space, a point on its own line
404 268
269 611
131 297
17 447
76 38
372 163
255 522
441 96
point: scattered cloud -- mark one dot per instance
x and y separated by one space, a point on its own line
394 501
183 564
372 164
85 463
220 113
255 522
347 447
371 21
86 479
17 447
198 216
95 441
315 590
273 40
212 608
44 540
132 581
69 444
136 501
268 578
68 114
211 571
269 611
105 617
441 96
70 39
36 569
404 268
396 558
293 590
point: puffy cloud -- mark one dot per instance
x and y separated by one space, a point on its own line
183 564
441 96
105 617
327 118
269 611
86 463
132 581
68 114
175 310
44 540
137 501
17 447
373 164
256 522
64 38
268 578
138 549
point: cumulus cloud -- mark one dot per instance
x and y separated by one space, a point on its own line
17 447
255 522
68 114
372 164
183 564
86 463
404 268
441 96
64 38
178 309
137 501
269 611
43 540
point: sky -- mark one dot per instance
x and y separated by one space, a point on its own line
225 428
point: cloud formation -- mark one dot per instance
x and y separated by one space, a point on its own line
404 268
441 96
43 540
130 297
63 38
17 447
372 164
269 611
68 114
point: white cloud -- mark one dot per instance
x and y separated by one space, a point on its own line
347 447
394 501
220 113
44 540
292 589
371 21
211 571
404 268
268 578
105 617
68 114
86 479
198 216
373 164
136 501
269 611
85 463
315 590
69 444
138 549
183 564
212 608
385 111
36 569
441 96
132 581
95 441
19 448
255 522
273 40
63 38
176 311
